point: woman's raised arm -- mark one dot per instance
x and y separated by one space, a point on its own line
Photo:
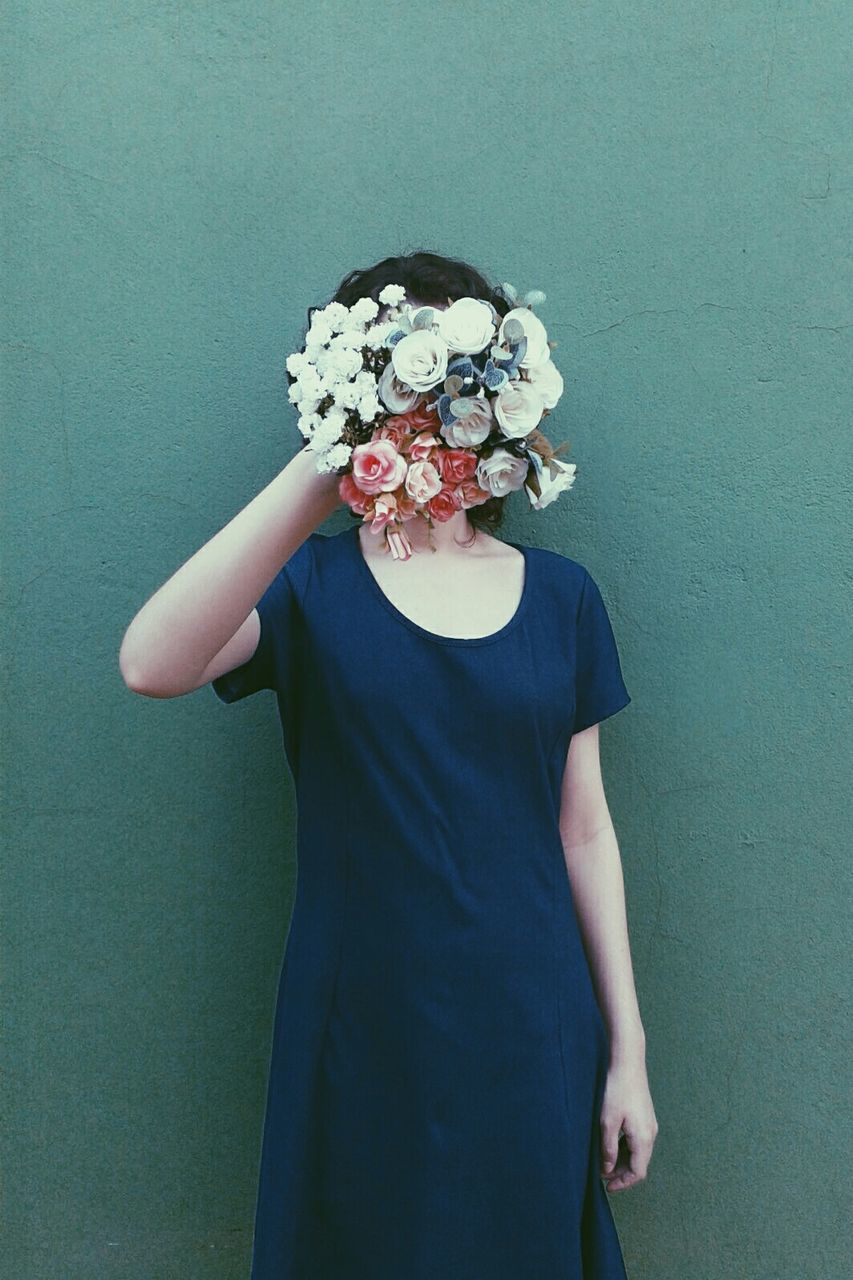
172 644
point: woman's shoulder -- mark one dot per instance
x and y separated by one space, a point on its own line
559 567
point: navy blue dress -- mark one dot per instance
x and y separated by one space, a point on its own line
438 1054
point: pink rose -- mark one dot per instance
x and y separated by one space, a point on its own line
384 511
377 466
502 472
422 447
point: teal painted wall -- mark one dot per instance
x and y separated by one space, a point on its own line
181 181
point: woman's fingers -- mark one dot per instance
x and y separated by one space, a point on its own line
632 1161
611 1125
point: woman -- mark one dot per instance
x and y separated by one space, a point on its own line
458 1060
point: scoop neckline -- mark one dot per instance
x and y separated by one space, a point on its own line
468 641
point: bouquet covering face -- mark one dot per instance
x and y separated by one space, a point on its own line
427 411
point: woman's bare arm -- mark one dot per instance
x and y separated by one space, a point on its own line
595 871
628 1125
203 620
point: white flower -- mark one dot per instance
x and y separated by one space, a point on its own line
330 459
377 335
362 311
309 380
559 476
334 315
392 294
501 473
318 334
547 381
308 424
471 428
330 427
344 362
420 360
518 409
347 395
466 326
369 407
337 456
395 395
295 363
350 336
538 350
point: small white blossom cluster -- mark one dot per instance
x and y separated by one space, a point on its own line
332 365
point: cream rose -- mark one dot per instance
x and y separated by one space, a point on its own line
471 428
547 381
420 360
518 409
422 481
554 477
394 395
501 473
467 326
538 350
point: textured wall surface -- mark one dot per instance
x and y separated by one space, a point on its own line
181 181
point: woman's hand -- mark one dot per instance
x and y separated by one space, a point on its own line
626 1106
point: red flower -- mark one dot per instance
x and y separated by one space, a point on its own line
444 505
456 465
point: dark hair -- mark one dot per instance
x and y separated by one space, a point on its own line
433 280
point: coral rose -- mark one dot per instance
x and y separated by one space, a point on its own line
456 465
354 497
396 430
472 495
424 416
444 505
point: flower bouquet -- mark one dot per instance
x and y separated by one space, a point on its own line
428 411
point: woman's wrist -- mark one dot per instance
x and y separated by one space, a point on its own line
627 1044
305 462
319 490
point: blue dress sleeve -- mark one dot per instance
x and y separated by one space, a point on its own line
278 611
599 687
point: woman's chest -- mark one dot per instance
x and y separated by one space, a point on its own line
374 674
